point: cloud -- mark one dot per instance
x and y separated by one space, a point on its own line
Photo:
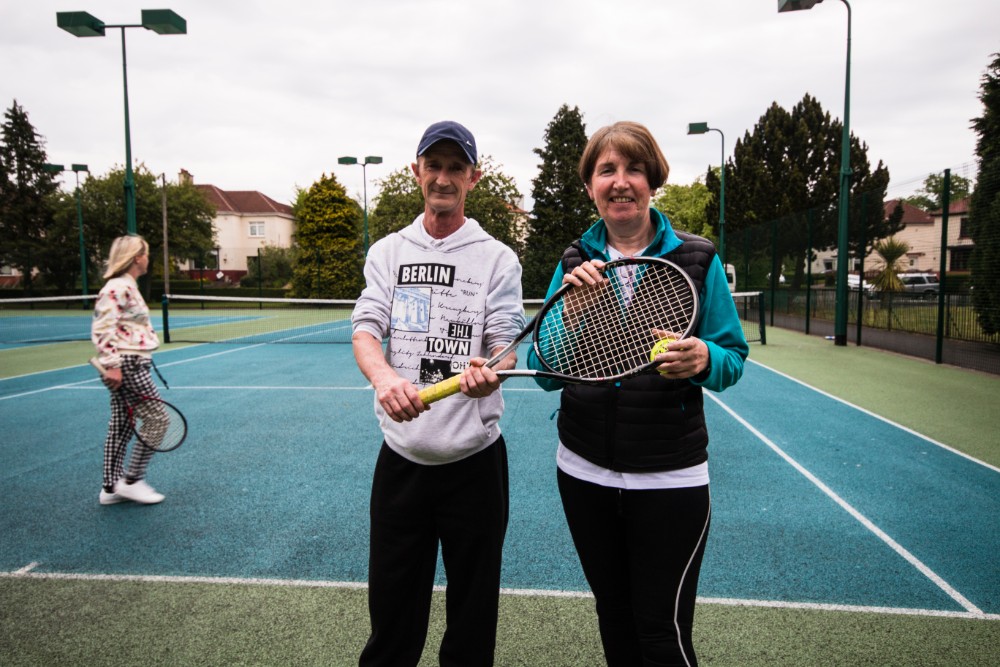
265 95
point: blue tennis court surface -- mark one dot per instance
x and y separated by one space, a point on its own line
814 501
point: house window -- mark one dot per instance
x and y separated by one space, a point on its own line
960 258
963 229
257 229
828 265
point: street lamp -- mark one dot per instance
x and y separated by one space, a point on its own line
160 21
76 168
840 313
370 159
702 128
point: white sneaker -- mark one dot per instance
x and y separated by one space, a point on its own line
109 498
138 491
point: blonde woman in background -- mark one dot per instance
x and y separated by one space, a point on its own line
125 340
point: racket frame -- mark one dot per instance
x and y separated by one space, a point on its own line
536 324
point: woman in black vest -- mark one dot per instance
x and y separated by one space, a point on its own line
632 458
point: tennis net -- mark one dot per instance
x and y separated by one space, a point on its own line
39 320
242 320
750 308
214 319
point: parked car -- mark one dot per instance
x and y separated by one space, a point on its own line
920 283
854 280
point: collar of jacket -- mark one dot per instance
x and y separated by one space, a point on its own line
595 239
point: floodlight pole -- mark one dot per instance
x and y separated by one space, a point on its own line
160 21
370 159
130 217
166 252
76 169
840 311
702 128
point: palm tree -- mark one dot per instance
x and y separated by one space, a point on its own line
890 252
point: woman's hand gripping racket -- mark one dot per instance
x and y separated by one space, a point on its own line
157 425
603 333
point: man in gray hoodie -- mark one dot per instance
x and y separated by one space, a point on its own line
445 296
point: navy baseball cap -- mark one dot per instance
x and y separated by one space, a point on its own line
449 130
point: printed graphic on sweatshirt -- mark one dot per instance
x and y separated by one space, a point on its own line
411 308
426 274
437 326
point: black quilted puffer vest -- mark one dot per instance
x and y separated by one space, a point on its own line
646 423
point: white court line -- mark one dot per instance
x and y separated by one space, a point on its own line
882 535
28 573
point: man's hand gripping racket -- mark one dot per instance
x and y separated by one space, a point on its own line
603 333
157 425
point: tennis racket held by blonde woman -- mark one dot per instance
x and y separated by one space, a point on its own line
157 425
604 333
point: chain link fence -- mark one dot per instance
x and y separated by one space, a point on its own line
942 308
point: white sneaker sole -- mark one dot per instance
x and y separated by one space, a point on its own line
109 498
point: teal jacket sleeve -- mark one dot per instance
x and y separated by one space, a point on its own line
719 326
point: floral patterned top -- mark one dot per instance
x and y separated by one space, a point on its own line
121 322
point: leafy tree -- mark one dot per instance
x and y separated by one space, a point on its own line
275 268
58 263
189 217
328 236
686 207
562 210
398 202
491 203
25 214
930 197
790 164
984 207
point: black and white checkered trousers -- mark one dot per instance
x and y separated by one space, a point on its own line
135 378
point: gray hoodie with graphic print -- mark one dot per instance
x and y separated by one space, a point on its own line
438 303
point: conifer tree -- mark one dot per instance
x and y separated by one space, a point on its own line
328 236
984 206
562 210
24 191
787 166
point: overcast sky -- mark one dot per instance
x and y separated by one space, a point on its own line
265 95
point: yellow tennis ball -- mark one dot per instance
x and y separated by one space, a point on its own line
660 347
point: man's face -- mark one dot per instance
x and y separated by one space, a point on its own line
445 177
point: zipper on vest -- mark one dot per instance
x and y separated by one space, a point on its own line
611 426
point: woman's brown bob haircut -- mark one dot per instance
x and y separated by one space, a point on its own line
633 141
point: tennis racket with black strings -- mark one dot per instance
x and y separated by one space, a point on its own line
603 333
157 425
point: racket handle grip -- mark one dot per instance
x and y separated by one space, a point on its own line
442 389
97 364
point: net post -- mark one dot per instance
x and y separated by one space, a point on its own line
761 314
165 304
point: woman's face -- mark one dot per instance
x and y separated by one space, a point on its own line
620 189
141 263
